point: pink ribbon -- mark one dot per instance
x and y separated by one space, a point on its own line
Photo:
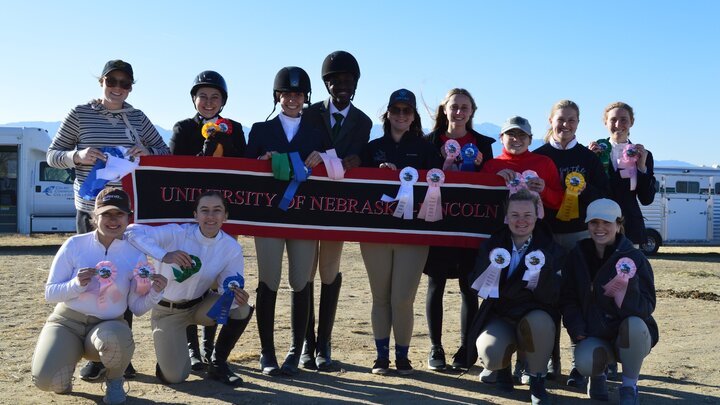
617 287
488 284
452 151
333 165
431 210
628 165
143 273
534 261
106 274
520 182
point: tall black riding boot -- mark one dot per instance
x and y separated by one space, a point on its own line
218 368
196 362
307 358
208 342
265 307
329 294
299 311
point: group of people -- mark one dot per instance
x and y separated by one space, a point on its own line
562 253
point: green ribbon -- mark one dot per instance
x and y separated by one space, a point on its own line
185 273
281 166
604 155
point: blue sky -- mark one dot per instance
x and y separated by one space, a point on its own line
515 57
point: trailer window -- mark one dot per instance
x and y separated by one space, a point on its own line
688 187
717 188
47 173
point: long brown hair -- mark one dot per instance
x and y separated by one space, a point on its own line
441 120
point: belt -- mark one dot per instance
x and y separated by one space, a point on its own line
181 305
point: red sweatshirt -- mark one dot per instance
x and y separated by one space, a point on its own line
553 193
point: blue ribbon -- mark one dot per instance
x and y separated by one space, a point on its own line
300 173
221 310
92 186
469 152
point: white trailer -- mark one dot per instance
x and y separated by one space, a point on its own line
686 210
33 196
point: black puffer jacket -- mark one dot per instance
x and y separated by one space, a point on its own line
586 310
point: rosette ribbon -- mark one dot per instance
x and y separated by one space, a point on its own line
431 210
106 273
534 261
469 153
142 273
185 273
289 166
404 197
210 129
617 287
574 185
531 174
113 168
221 309
604 153
628 165
333 164
452 151
488 284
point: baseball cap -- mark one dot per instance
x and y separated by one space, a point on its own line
517 122
605 209
112 198
117 64
402 96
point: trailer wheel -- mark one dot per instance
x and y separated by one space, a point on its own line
654 241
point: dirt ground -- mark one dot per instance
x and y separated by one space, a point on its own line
682 367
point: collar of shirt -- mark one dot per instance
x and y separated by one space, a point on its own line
558 145
334 110
516 255
290 125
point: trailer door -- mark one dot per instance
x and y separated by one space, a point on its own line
687 212
8 188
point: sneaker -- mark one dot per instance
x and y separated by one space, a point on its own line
597 388
436 358
115 392
575 379
381 366
488 377
130 371
460 360
629 396
92 371
612 372
403 366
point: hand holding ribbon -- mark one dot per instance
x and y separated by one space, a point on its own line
604 149
142 274
431 210
221 309
469 154
574 185
185 273
404 197
628 165
289 166
488 284
452 151
333 165
106 170
534 261
617 287
106 274
520 181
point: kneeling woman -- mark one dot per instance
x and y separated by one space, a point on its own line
205 255
394 270
92 280
516 275
607 301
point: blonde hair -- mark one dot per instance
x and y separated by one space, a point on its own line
441 120
559 106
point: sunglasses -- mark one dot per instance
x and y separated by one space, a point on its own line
401 110
113 82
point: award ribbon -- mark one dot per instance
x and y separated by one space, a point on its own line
531 174
404 197
488 284
142 273
574 185
94 182
185 273
333 165
604 153
452 151
431 210
106 274
221 309
469 153
300 173
534 261
628 165
617 287
281 166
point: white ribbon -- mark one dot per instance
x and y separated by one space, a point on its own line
404 197
116 168
534 261
488 284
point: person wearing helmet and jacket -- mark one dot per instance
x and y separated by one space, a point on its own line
288 132
348 130
209 95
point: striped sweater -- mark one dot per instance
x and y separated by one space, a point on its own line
92 125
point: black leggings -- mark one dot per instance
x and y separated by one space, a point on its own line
434 307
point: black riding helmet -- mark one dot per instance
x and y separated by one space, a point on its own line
209 78
292 78
340 62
